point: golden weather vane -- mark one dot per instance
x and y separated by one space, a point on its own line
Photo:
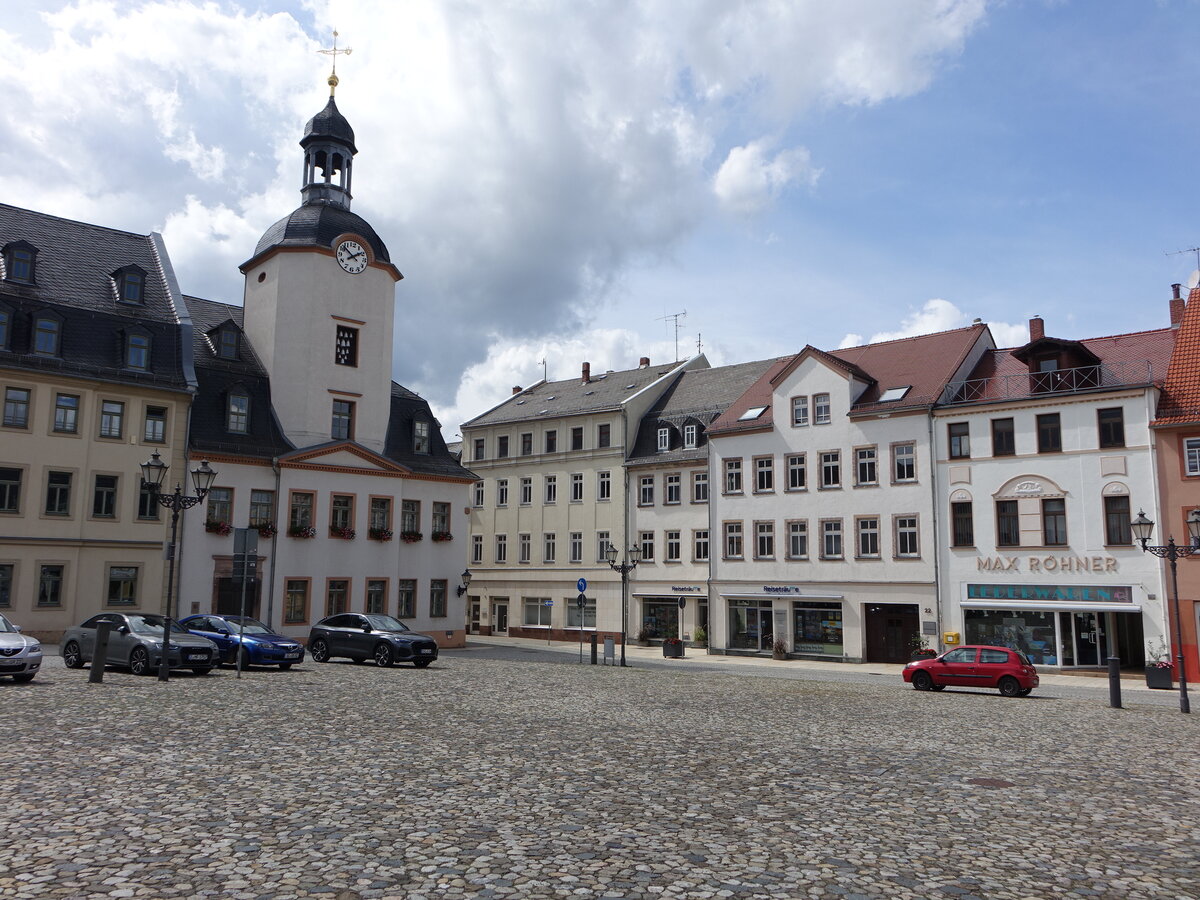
334 51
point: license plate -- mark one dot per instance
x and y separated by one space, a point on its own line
197 656
291 656
426 650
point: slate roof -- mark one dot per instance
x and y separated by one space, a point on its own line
408 407
329 123
317 225
697 397
605 391
217 377
1180 401
73 271
923 363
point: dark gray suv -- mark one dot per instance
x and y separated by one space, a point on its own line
363 636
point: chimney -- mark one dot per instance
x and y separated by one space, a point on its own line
587 372
644 362
1177 306
1037 329
516 389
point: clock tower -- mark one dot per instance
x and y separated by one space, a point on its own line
320 301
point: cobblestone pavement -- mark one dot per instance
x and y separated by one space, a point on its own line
498 779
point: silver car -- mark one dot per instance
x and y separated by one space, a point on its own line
136 641
20 656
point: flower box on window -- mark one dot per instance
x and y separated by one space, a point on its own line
302 531
411 537
442 536
346 534
265 529
221 528
379 534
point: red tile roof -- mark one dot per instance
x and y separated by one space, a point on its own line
1180 400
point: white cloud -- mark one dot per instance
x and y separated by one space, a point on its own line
750 179
940 315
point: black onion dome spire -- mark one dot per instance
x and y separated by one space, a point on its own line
329 125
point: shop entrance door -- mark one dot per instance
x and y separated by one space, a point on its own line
890 628
1085 643
500 618
766 631
474 629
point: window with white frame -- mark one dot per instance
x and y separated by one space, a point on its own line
237 412
904 462
764 474
549 547
700 545
112 418
689 436
799 411
577 438
16 408
551 441
477 549
1191 455
604 435
797 471
535 612
551 485
502 548
797 530
526 491
868 537
602 545
831 539
575 545
477 495
906 536
410 515
502 446
439 521
524 548
764 540
154 429
700 487
479 454
733 476
577 487
822 414
421 442
664 439
866 468
671 489
673 550
527 443
831 470
646 539
582 618
502 492
406 598
603 486
646 490
733 540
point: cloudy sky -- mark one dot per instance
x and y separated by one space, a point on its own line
556 178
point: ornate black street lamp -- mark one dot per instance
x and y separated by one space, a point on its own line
466 582
154 473
632 557
1142 529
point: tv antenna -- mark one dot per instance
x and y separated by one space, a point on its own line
675 317
542 363
1194 278
699 344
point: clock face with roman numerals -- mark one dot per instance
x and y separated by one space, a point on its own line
351 256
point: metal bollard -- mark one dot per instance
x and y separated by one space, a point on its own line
99 653
1114 682
593 649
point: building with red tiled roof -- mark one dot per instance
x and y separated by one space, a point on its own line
1176 430
1042 453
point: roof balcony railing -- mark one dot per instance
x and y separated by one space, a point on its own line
1059 381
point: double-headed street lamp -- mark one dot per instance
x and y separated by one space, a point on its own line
632 557
1142 529
154 472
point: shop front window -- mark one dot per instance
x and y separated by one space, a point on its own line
660 618
1029 631
817 628
750 626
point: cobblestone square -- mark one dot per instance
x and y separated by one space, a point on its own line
485 778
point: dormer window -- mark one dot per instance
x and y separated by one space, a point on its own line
137 351
131 284
19 262
664 440
227 343
689 436
6 318
420 436
47 335
237 413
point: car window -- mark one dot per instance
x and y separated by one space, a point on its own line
993 656
94 621
6 626
248 625
201 624
340 621
387 623
1023 659
960 655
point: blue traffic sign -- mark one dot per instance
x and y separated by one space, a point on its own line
581 585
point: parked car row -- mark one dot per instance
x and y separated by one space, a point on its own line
20 656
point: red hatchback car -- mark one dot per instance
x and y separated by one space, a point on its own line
975 665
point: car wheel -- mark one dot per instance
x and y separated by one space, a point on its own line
922 681
139 661
939 687
319 650
245 655
384 656
283 667
1009 686
204 670
1024 692
72 657
24 678
422 663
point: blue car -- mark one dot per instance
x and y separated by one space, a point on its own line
260 646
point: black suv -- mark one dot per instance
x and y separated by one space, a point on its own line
360 637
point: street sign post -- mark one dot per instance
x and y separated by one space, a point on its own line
580 602
581 585
245 566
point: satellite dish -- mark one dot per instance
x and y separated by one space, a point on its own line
1193 279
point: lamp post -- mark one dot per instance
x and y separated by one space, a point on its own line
154 472
1142 528
632 557
466 582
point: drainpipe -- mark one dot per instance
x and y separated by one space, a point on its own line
937 543
274 546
